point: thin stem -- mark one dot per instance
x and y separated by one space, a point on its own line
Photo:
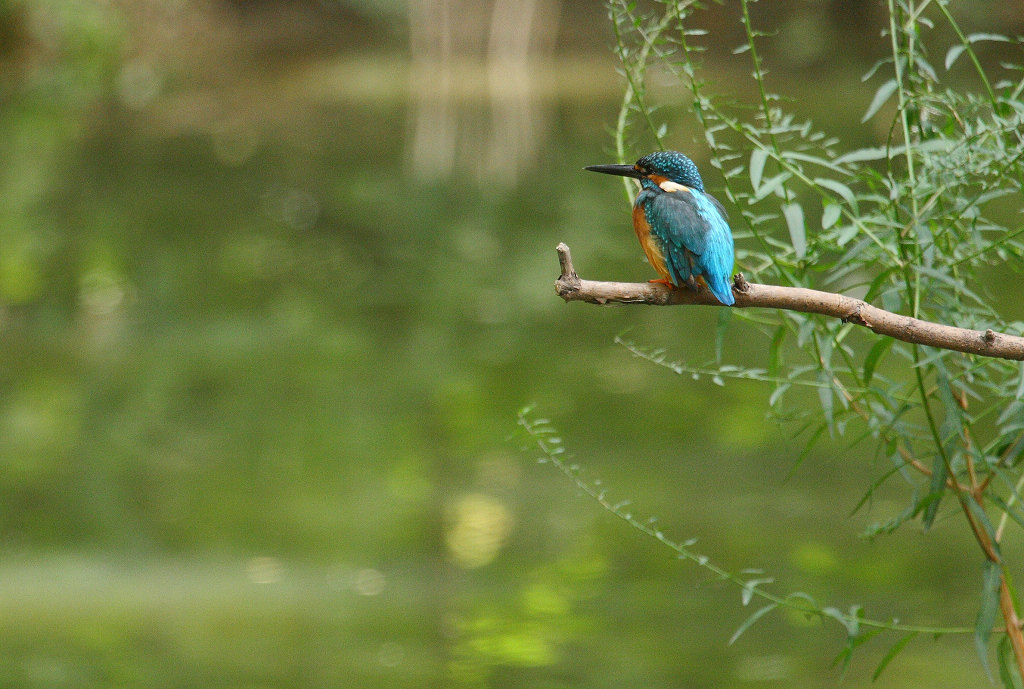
759 78
1009 503
635 76
913 279
699 104
633 92
962 401
908 458
801 604
970 52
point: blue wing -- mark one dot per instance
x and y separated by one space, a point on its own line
693 227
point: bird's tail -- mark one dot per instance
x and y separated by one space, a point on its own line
720 287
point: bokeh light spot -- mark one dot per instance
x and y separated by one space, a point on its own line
479 528
390 654
101 292
369 582
264 570
138 85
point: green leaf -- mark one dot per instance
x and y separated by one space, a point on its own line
878 283
837 187
987 611
892 653
954 283
937 490
757 160
1012 411
883 94
875 67
953 53
805 453
771 185
777 393
878 350
812 604
794 214
869 493
1007 509
846 234
830 215
825 396
1008 672
979 513
813 159
1008 583
852 642
861 155
850 621
977 37
749 587
775 351
952 425
749 622
921 505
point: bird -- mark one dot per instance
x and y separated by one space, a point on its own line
683 230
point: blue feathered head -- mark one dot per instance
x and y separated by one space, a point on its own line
656 168
673 166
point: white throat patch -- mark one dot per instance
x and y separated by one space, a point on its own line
668 185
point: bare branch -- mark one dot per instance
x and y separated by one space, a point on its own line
570 287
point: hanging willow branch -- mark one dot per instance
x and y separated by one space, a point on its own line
570 287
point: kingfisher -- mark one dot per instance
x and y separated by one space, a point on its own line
682 229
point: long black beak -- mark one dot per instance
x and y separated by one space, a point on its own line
620 170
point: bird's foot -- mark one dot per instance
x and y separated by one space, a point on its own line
662 281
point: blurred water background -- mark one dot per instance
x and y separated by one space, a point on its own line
275 278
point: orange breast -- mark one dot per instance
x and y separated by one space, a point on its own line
643 232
